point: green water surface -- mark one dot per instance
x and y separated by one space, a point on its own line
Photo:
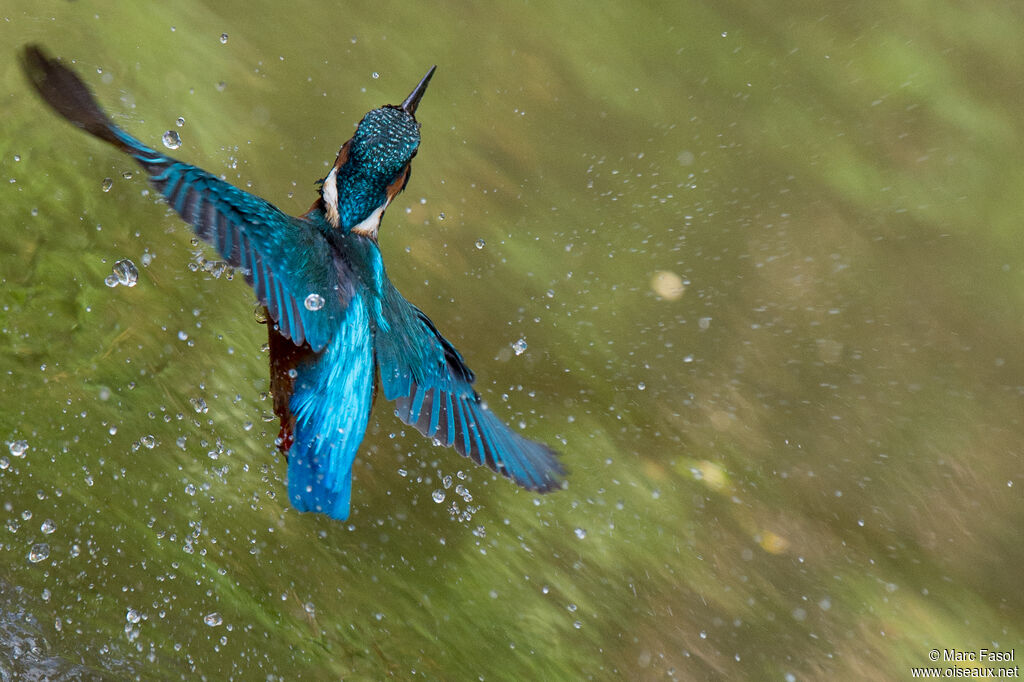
768 263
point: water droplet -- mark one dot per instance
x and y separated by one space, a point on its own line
213 619
127 175
704 323
293 373
48 526
223 38
314 302
19 447
580 533
438 496
221 86
133 616
124 272
4 463
441 216
172 140
107 184
375 75
190 489
39 552
149 441
480 243
519 346
641 386
199 405
180 121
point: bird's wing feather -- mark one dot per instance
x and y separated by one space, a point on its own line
433 391
285 259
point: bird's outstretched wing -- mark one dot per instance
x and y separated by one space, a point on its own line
433 390
285 259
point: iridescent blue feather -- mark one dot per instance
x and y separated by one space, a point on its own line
285 259
433 391
331 403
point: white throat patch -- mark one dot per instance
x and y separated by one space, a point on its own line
330 195
371 223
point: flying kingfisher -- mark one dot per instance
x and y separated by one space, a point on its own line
335 320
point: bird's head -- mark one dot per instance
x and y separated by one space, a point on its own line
373 167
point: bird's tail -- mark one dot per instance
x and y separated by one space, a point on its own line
331 398
66 94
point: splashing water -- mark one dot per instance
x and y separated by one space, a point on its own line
124 272
314 302
172 140
39 552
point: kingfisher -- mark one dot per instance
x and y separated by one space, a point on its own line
338 328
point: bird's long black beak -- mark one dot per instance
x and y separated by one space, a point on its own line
413 100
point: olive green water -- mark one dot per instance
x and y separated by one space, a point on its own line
768 262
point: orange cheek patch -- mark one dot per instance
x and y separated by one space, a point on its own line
342 155
398 185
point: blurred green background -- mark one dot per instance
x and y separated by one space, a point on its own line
768 263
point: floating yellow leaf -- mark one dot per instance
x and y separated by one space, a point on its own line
713 475
772 543
668 285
